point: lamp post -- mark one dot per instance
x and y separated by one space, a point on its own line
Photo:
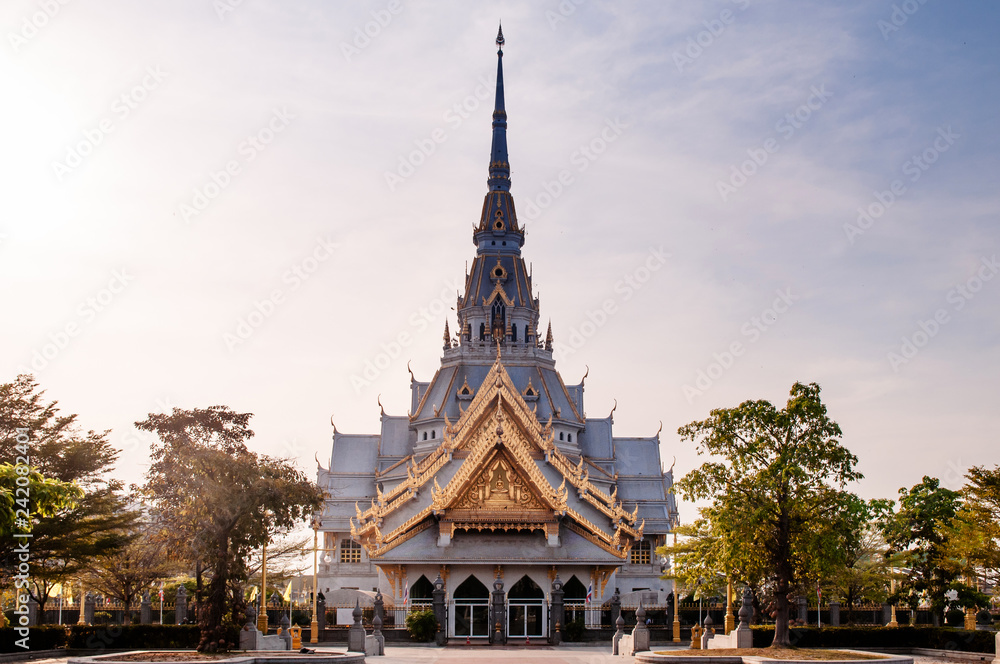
314 625
262 618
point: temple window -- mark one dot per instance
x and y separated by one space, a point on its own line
433 433
569 437
562 436
641 553
425 435
350 551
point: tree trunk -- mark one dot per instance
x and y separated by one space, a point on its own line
782 549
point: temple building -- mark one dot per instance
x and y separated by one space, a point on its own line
496 480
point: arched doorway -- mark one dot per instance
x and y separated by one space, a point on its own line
421 592
472 609
574 599
525 609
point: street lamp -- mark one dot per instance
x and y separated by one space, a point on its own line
314 625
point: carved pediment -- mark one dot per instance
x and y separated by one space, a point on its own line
499 488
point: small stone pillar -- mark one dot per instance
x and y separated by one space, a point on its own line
996 658
640 635
619 633
742 637
441 637
145 610
180 610
497 614
32 611
709 632
284 632
557 617
803 607
375 644
88 609
835 613
321 611
356 634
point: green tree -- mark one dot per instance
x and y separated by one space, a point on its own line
980 517
125 573
65 542
778 487
216 501
23 488
923 531
865 574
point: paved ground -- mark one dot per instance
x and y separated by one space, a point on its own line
540 655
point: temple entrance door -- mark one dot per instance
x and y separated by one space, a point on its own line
526 609
472 609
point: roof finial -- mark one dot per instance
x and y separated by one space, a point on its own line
499 179
447 336
548 337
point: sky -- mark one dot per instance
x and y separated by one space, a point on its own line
269 205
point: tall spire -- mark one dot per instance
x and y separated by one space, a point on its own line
499 167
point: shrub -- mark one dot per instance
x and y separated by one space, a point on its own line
940 638
422 625
574 630
100 637
41 637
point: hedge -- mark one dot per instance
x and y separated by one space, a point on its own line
43 637
941 638
110 637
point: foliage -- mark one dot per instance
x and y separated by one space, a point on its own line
124 573
137 636
980 519
574 630
865 575
422 625
777 491
65 542
46 496
41 637
923 531
941 638
214 501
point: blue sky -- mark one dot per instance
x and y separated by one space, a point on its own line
700 166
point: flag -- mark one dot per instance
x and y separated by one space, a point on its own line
56 590
253 594
590 592
287 596
161 592
406 592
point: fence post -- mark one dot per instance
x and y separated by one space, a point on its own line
616 604
835 613
321 610
557 619
180 608
497 616
88 609
145 610
439 611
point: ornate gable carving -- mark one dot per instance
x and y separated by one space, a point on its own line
499 488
